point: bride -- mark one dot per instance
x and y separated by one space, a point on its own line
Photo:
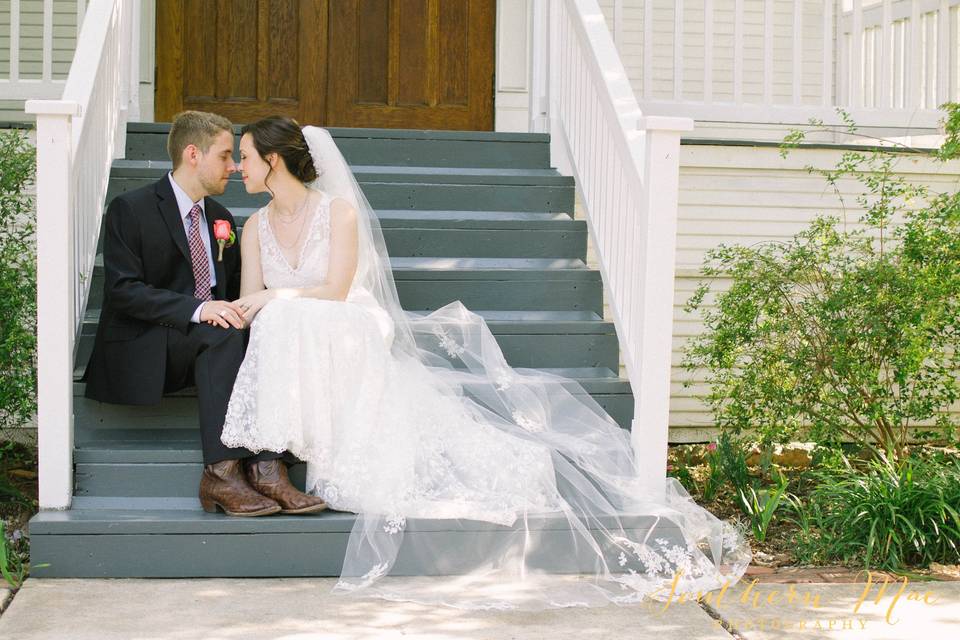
458 465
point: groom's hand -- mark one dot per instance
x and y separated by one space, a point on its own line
222 313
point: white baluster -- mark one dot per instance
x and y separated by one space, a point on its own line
14 40
943 54
47 73
797 50
826 85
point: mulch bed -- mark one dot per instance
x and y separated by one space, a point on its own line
774 559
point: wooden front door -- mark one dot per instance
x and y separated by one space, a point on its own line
425 64
243 59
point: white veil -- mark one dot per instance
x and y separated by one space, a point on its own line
599 540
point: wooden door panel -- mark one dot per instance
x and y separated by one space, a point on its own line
411 63
244 59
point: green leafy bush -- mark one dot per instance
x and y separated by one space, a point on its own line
18 283
890 515
842 333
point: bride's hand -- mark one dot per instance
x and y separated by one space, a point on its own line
252 303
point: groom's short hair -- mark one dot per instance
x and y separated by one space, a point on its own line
199 128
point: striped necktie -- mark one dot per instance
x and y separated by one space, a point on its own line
198 255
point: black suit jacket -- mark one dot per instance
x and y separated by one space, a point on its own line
149 290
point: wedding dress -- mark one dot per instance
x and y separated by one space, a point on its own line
512 484
378 433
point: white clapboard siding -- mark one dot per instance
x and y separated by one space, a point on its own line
742 195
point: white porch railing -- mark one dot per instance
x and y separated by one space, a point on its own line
887 62
78 138
19 84
626 167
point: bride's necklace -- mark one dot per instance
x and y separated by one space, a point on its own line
297 212
298 215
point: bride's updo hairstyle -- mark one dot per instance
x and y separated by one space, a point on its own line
283 136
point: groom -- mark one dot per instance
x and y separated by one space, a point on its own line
167 320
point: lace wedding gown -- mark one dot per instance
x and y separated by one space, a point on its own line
377 434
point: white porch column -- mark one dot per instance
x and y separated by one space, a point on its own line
652 361
55 300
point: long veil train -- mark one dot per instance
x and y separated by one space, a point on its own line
590 537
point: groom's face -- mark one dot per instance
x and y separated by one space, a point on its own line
216 165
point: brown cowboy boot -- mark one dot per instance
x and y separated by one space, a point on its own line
223 485
270 478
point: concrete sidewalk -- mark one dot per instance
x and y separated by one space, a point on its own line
298 609
901 610
302 608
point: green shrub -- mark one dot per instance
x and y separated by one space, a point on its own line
841 333
18 283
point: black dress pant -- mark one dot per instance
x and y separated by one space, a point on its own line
209 357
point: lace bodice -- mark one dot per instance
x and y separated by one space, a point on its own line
311 268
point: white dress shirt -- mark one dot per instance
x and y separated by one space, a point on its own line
185 205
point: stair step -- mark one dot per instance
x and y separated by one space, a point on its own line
424 188
594 380
588 349
391 146
178 411
428 283
154 169
527 338
470 234
142 463
153 542
500 322
447 268
459 219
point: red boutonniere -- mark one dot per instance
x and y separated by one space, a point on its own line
224 235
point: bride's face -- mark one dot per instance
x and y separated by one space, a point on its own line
253 168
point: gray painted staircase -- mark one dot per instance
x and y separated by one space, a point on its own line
474 216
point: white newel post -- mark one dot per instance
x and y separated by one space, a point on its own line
539 68
652 366
55 300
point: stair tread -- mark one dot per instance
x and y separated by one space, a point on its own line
459 219
415 268
133 446
152 518
383 173
384 133
592 379
503 322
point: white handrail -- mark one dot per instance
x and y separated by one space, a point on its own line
626 167
78 137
